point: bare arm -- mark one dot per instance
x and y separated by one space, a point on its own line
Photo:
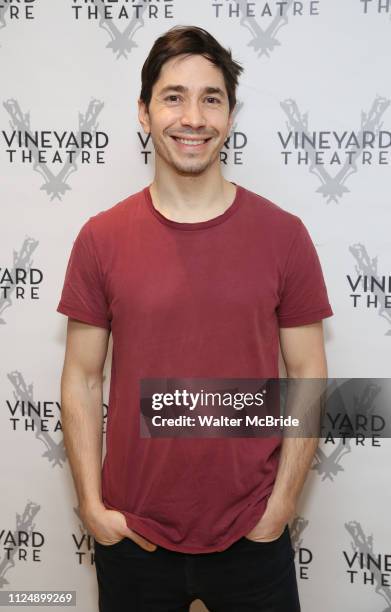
82 419
81 407
304 356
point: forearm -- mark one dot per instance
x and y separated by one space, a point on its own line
304 402
82 419
295 461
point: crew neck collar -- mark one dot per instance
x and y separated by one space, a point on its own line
197 224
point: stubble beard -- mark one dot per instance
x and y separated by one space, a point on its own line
189 166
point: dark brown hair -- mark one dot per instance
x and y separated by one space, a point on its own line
188 40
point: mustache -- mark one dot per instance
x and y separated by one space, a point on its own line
192 134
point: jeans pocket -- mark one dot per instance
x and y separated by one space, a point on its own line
268 544
99 544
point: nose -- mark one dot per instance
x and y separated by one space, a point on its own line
192 114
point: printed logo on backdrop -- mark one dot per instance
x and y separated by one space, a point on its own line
333 157
20 544
123 20
351 407
264 19
54 154
22 10
22 281
367 566
370 290
39 418
84 543
375 6
303 555
231 153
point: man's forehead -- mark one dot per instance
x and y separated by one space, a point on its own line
170 80
174 64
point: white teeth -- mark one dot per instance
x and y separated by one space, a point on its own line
190 142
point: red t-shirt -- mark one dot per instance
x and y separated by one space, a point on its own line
187 300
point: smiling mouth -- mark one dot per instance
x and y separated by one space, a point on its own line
191 142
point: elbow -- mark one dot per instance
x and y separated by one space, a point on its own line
308 369
73 378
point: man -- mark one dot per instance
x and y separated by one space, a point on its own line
195 276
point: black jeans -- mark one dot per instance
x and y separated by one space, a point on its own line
246 577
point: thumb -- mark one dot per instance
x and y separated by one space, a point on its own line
143 542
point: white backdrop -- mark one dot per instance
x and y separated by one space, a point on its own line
319 69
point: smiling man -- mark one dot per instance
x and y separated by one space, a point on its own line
189 120
195 276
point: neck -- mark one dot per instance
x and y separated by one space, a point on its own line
191 199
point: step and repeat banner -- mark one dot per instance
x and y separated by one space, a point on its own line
312 133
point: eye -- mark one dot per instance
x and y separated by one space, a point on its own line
171 96
213 98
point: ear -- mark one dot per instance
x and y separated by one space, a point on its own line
143 116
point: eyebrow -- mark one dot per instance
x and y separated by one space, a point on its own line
182 89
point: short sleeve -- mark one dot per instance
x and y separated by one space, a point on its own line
303 294
83 296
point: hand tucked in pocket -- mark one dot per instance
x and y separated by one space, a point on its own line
273 521
108 527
